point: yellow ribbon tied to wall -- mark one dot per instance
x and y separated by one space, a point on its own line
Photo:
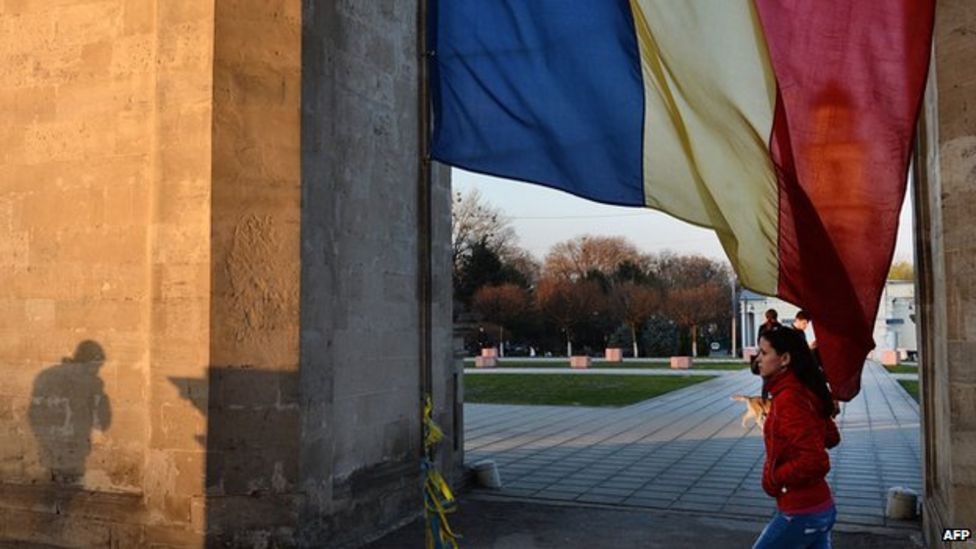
438 498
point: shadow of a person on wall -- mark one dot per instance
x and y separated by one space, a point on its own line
68 401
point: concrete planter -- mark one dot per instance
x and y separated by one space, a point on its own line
579 362
681 362
485 362
614 354
889 357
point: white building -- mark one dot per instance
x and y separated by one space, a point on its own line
894 327
752 311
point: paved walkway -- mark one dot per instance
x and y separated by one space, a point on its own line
493 523
686 450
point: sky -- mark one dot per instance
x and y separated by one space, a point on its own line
542 217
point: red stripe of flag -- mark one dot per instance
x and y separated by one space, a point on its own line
850 79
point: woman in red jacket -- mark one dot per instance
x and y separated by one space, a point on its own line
797 433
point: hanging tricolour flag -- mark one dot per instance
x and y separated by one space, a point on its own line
784 126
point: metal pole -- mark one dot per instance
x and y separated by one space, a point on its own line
424 236
734 303
745 328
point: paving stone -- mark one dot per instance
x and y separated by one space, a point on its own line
598 498
617 492
846 509
682 485
648 502
698 491
518 492
703 498
860 519
747 500
693 506
632 478
586 474
859 498
531 481
561 496
631 486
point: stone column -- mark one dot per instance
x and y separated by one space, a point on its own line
360 367
945 263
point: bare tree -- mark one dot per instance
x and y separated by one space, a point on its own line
635 304
485 248
573 259
688 271
501 305
567 303
690 307
474 221
522 261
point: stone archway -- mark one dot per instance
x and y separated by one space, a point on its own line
161 131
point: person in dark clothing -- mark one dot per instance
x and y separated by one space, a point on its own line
801 323
772 321
798 431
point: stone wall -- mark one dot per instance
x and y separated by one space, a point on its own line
104 204
74 166
360 270
946 261
210 273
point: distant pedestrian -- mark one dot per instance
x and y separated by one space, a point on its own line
797 433
772 321
802 323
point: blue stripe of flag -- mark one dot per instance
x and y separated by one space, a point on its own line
545 91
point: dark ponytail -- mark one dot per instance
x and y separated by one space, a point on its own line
802 363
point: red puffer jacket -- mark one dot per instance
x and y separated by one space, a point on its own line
797 436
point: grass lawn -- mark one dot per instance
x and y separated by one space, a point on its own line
597 364
902 369
910 386
575 390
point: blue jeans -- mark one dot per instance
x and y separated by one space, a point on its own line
811 531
